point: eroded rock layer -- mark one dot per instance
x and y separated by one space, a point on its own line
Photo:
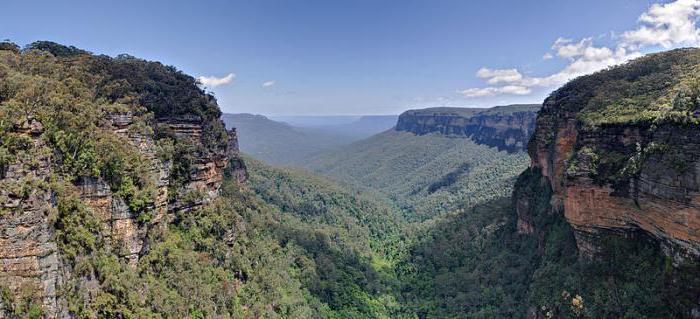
623 168
505 127
29 258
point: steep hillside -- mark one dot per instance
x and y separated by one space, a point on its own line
341 246
436 160
280 143
97 154
618 149
122 196
426 175
614 166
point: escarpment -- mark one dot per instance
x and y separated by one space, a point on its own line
133 144
505 127
619 151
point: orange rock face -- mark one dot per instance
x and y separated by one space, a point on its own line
620 179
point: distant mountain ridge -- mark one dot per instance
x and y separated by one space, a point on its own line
279 143
426 164
355 127
283 143
506 127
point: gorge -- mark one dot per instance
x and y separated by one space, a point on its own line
123 195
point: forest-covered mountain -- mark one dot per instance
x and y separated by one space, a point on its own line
122 195
361 128
425 175
437 159
280 143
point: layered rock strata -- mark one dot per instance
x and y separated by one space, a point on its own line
505 127
30 261
621 178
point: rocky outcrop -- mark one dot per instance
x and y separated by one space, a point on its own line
505 127
207 171
29 257
236 166
125 147
30 260
619 175
624 178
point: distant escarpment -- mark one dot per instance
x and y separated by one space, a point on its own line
96 154
505 127
619 151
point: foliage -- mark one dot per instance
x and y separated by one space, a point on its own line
9 46
350 240
425 175
164 90
468 264
656 88
56 49
422 228
21 305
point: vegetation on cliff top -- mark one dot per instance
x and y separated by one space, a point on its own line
655 88
70 94
468 112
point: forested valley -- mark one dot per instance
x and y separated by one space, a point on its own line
120 182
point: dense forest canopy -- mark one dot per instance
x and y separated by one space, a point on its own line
425 175
161 89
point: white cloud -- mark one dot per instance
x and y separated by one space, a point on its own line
565 48
498 76
491 91
589 60
268 84
663 25
212 81
547 56
666 25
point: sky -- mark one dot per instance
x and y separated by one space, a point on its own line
361 57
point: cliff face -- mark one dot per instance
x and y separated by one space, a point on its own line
505 127
622 169
182 157
29 257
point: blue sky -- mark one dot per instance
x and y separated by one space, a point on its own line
364 57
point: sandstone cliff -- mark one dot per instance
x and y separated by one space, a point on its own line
619 151
179 153
505 127
29 257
